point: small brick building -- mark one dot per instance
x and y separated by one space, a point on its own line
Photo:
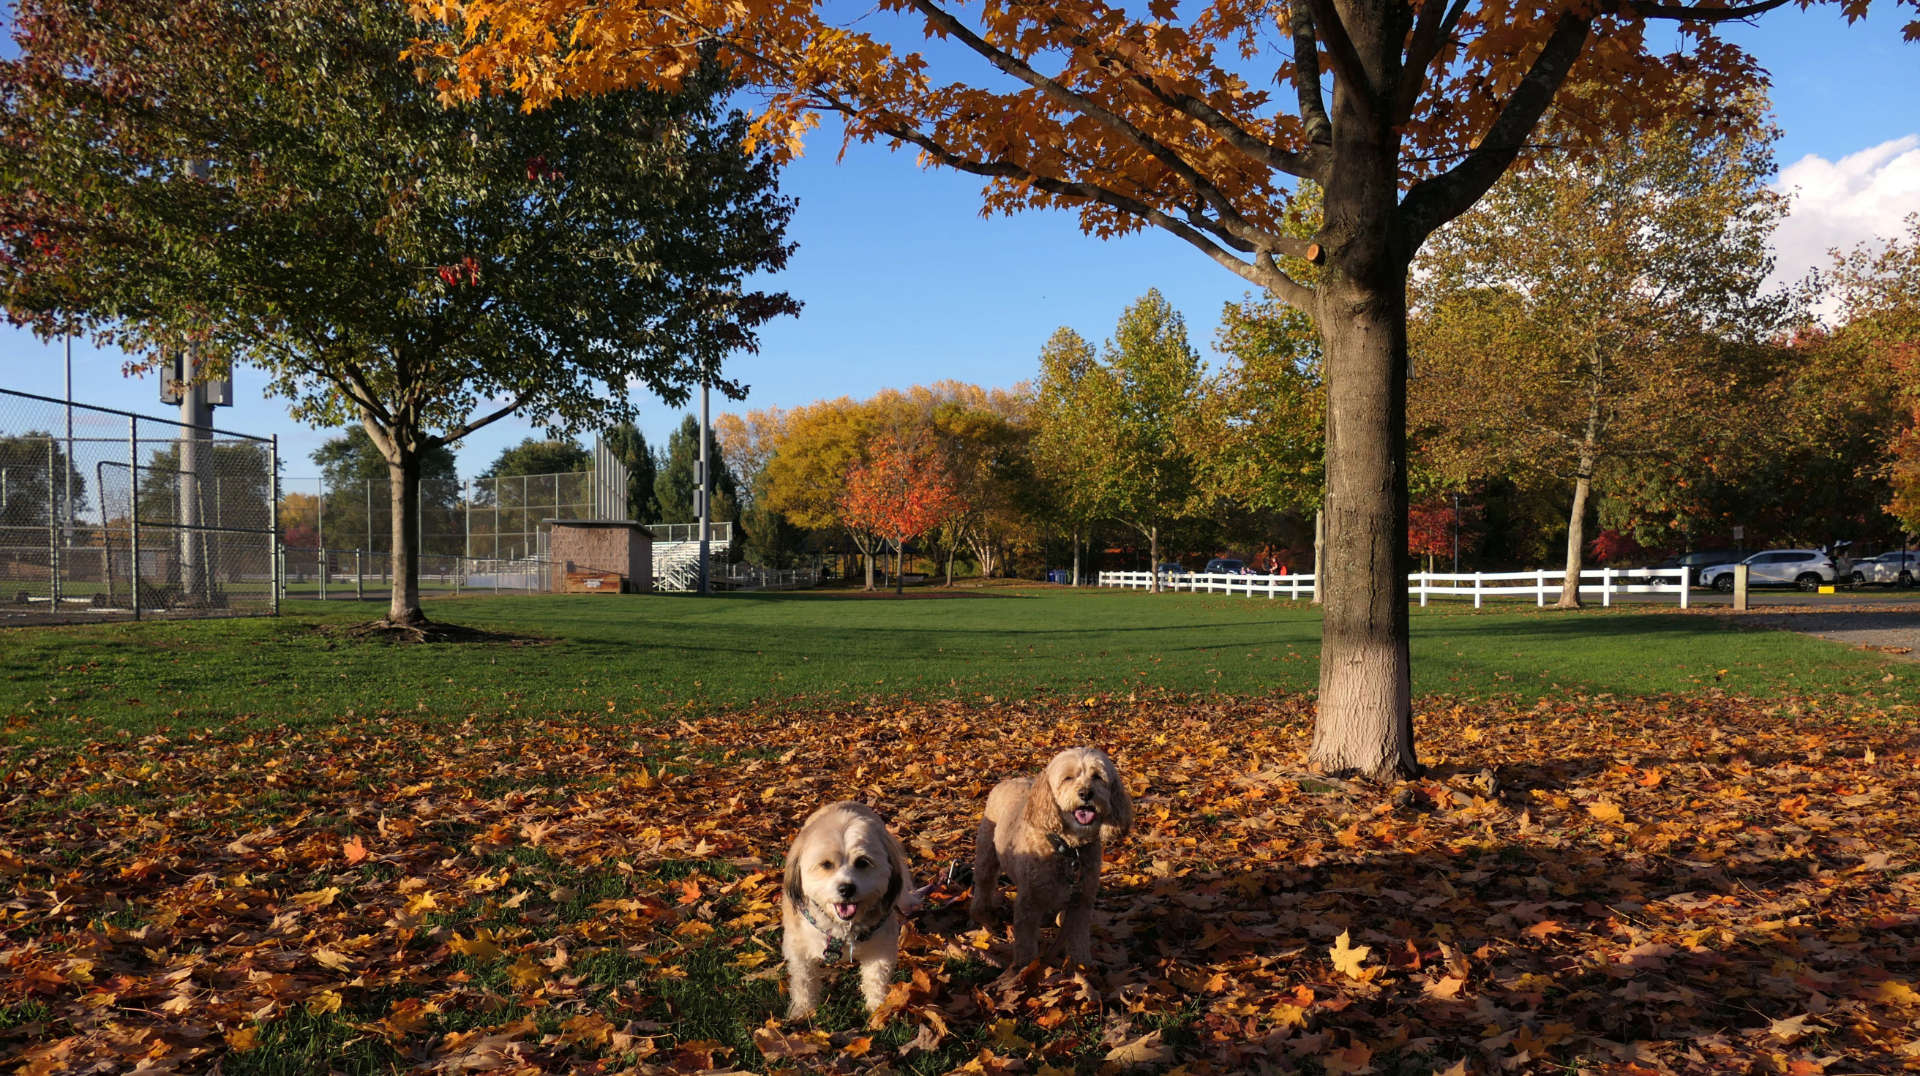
601 545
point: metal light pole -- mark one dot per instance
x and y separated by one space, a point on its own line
703 497
196 458
66 508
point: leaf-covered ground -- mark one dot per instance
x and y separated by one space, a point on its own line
1684 885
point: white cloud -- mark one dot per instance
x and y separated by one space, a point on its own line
1862 197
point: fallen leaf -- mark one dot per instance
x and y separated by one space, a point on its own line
1346 958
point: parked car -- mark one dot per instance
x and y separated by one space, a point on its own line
1226 566
1698 559
1896 569
1170 568
1803 568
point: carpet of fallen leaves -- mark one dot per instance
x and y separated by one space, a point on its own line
1683 885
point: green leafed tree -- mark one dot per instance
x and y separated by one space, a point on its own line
1065 450
274 183
629 446
539 455
1877 289
1592 316
1265 413
676 479
1145 417
357 508
34 475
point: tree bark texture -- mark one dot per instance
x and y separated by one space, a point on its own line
1076 556
1365 720
1319 552
403 474
899 576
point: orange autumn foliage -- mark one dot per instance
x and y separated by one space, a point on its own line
1132 116
900 492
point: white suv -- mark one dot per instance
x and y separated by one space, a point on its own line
1890 569
1803 568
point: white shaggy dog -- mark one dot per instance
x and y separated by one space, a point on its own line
1046 833
846 889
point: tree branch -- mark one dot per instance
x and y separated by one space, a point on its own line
1306 81
1430 31
1433 202
1293 164
1189 229
1690 13
1346 60
368 399
1086 106
461 431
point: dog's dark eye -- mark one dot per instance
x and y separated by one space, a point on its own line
826 864
862 863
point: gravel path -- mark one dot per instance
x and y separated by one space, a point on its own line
1893 630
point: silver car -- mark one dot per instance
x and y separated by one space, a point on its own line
1895 569
1803 568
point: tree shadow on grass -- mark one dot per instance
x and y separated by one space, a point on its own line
1568 953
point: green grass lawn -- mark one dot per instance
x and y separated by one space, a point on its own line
655 656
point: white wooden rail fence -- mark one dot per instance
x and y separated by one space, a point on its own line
1540 584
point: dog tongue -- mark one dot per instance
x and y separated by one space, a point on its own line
1083 815
846 911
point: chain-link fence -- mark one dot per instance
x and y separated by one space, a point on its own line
485 519
312 572
106 514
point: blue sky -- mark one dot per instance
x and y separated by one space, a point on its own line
905 283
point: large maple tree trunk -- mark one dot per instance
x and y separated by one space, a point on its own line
1076 556
403 474
1365 719
899 571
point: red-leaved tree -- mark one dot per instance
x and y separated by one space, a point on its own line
1432 525
901 492
1611 547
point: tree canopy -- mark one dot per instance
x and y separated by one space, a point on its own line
539 455
675 478
1593 316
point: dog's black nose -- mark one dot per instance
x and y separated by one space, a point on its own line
846 890
1086 795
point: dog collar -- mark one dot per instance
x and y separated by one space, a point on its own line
1069 855
836 942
